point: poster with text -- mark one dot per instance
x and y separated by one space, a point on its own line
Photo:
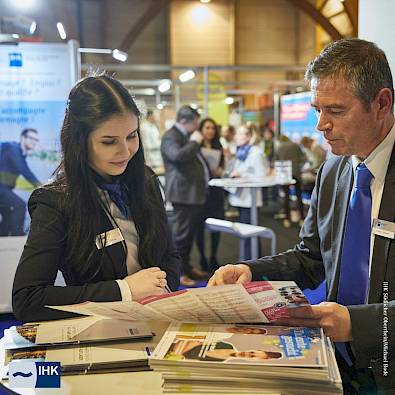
35 80
298 118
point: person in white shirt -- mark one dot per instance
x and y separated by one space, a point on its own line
150 137
250 163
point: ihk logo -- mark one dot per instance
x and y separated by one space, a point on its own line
29 374
15 59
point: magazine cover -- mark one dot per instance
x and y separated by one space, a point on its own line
243 345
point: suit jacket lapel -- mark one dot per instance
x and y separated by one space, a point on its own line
342 199
382 244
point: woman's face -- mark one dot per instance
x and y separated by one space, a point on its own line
242 136
208 131
113 144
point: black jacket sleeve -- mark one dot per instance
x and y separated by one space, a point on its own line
42 257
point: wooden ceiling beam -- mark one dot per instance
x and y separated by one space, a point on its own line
318 17
351 8
152 11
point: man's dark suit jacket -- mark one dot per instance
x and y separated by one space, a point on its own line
318 256
185 178
44 254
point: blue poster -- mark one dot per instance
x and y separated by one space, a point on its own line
35 80
298 118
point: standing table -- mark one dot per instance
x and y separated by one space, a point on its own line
253 184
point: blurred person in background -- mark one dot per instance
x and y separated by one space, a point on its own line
12 165
288 150
268 143
250 163
315 154
150 137
228 141
186 187
214 207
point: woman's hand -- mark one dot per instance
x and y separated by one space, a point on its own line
235 174
217 173
146 282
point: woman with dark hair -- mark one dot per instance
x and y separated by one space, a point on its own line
214 206
102 221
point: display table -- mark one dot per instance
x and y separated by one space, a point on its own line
253 184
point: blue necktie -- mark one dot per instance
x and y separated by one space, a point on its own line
354 273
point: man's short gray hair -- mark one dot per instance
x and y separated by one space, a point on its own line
187 114
360 63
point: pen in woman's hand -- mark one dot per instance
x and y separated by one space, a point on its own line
167 289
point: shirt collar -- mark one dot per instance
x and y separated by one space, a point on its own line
377 161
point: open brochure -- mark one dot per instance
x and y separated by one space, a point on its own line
260 301
74 331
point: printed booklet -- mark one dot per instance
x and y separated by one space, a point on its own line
246 358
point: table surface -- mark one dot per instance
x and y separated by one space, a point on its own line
123 383
255 182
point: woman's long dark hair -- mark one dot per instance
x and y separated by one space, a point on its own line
93 101
215 142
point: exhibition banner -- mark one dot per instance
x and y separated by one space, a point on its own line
35 79
298 118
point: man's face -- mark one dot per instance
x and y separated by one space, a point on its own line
342 118
29 141
190 127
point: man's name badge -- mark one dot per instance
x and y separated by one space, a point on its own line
384 228
109 238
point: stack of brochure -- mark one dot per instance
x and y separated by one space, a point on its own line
84 345
246 359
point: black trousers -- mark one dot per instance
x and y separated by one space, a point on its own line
298 190
185 222
12 210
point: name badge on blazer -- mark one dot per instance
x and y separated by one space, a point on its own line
384 228
109 238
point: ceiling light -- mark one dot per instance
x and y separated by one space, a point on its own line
205 1
188 75
119 55
61 30
18 24
229 100
164 86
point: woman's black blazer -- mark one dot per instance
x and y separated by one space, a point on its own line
45 253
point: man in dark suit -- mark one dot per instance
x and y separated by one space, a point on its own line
186 183
352 92
12 165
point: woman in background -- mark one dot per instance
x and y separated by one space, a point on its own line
214 207
250 163
102 221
